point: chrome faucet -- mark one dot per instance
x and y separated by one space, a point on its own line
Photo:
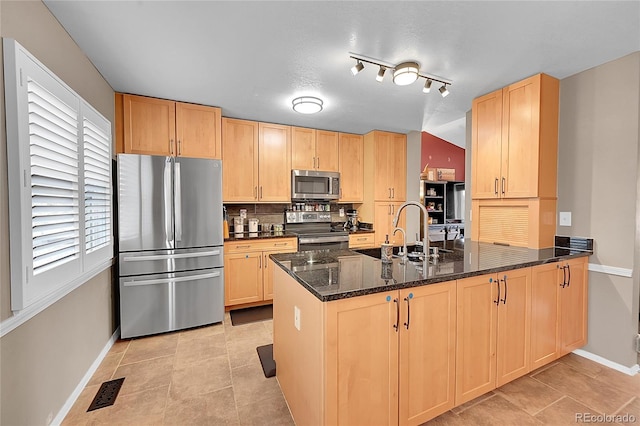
402 255
425 227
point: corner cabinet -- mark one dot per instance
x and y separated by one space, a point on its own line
162 127
256 162
351 167
313 149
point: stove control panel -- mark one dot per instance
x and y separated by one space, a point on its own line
307 217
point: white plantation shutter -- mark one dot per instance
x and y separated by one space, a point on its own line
60 197
53 149
97 186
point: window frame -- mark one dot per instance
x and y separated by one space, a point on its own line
31 293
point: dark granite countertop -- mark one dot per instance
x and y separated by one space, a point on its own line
338 274
259 235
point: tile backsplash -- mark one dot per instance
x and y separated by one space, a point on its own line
274 213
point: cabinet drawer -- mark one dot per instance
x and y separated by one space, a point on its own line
361 240
285 244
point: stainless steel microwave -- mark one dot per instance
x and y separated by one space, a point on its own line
315 185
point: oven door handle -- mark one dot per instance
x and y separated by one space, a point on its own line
320 240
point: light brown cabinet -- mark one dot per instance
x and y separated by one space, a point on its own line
247 277
384 212
256 162
558 310
351 167
515 140
153 126
313 149
493 314
361 241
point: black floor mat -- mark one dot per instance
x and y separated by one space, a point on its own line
265 353
247 315
107 394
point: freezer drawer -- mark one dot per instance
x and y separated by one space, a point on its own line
159 303
161 261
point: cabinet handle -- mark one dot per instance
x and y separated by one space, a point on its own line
239 247
255 192
261 192
265 261
318 163
564 276
179 147
393 193
260 263
497 302
340 192
504 301
568 275
503 185
361 239
495 186
389 192
171 146
280 244
397 302
406 299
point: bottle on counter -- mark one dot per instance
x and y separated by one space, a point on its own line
386 250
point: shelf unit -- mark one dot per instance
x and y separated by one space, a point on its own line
434 199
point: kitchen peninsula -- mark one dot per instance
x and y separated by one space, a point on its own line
357 341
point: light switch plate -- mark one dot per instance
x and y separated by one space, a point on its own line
565 219
341 211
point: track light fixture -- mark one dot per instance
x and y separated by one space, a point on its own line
403 74
427 86
357 68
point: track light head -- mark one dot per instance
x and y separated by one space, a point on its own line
357 68
427 86
443 91
380 75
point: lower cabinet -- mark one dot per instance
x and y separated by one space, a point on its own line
361 240
247 278
390 357
558 310
494 314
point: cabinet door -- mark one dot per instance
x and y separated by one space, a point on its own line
362 360
399 167
383 218
149 126
242 278
351 168
544 314
274 164
514 316
383 173
520 139
327 151
303 146
573 306
477 318
267 273
427 352
486 145
239 160
198 131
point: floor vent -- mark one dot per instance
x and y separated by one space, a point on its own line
107 394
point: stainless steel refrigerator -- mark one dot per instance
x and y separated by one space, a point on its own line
170 243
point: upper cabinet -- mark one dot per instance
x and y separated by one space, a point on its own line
515 140
161 127
256 162
351 168
313 149
386 165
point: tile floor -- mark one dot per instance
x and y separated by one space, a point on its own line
212 376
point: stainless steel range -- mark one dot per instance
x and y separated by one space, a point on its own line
314 231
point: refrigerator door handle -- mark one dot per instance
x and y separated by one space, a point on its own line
170 256
178 202
167 201
133 283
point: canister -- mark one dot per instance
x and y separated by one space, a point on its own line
253 225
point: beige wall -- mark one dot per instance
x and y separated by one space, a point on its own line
597 178
44 359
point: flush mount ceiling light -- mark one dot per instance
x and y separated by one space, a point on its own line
307 105
404 73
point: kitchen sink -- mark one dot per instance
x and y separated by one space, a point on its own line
444 254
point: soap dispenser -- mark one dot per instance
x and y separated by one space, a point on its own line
386 250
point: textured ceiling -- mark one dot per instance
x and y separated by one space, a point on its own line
253 58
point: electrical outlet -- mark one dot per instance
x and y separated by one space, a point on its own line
296 317
565 219
341 211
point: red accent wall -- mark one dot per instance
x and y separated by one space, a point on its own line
439 153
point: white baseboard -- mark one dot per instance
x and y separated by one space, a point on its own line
85 379
631 371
